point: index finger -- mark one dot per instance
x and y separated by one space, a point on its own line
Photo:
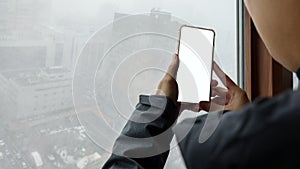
223 77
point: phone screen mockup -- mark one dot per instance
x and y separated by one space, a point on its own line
195 51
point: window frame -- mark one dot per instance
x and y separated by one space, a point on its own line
240 45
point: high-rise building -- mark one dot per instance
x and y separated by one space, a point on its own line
7 18
36 92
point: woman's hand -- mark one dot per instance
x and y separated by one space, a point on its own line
169 87
231 98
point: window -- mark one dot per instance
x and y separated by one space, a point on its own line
38 35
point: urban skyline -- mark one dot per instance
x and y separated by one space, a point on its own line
39 46
37 94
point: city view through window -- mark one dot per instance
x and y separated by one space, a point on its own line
47 51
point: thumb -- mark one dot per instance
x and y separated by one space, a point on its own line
173 68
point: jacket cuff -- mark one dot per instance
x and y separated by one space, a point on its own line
158 101
164 103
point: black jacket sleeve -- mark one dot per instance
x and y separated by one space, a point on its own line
145 139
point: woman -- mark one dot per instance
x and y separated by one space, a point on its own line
262 134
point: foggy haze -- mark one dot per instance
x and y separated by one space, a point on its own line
40 43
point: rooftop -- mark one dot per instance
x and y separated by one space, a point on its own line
37 76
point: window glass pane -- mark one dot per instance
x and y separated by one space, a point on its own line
40 42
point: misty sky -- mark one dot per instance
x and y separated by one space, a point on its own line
216 14
63 26
195 11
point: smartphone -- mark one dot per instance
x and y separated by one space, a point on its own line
196 51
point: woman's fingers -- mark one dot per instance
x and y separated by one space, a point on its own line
195 107
214 83
220 100
219 91
223 77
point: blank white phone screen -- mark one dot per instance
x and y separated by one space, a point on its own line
196 55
